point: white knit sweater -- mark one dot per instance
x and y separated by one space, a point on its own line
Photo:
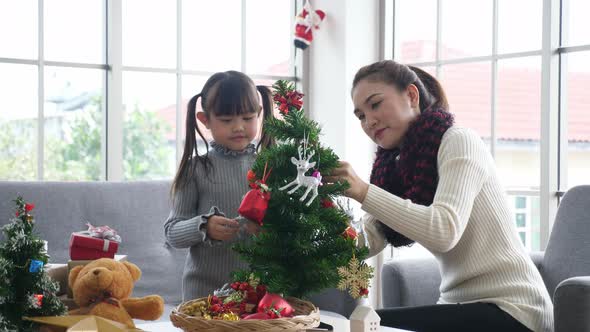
469 229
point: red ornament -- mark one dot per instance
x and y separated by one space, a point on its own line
271 302
363 291
251 176
258 315
29 207
349 233
327 203
292 99
255 202
17 214
308 20
260 291
39 298
252 297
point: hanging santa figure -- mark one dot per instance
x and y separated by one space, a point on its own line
305 22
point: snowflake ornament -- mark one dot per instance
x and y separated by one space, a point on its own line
355 277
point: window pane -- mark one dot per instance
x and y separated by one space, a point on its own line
466 28
520 220
522 237
212 34
577 105
18 23
468 88
149 138
272 54
519 25
149 33
520 203
576 26
18 122
518 121
531 228
415 42
74 30
73 124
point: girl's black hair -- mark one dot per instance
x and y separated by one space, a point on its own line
224 93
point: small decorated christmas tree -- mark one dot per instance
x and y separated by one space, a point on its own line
305 237
25 288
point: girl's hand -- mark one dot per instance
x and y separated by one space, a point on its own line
221 228
358 188
252 227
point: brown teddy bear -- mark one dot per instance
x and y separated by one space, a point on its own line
103 287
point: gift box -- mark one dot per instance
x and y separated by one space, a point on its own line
85 247
79 323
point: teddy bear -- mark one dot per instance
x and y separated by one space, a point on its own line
103 288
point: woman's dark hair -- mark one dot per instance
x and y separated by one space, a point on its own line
224 93
401 76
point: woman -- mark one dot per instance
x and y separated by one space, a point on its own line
436 184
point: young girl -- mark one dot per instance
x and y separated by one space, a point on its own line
436 184
208 189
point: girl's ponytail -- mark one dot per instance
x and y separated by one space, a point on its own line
186 168
267 109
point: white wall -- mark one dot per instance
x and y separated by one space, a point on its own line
347 40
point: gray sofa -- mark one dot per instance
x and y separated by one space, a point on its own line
137 210
564 265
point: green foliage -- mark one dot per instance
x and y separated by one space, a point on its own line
300 247
18 150
76 153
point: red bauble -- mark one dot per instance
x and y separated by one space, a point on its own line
327 203
349 233
258 315
274 301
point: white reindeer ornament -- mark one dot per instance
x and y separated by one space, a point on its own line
310 182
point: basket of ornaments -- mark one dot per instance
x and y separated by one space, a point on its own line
245 306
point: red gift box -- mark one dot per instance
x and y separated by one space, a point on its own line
85 247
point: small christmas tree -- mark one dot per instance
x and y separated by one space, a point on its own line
25 288
305 237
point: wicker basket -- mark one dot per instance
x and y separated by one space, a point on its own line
306 316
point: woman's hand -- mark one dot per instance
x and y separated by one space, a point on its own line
221 228
358 188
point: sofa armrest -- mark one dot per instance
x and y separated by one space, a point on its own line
572 305
537 257
59 273
410 282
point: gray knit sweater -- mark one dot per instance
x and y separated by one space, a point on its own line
209 262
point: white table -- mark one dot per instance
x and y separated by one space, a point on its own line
340 324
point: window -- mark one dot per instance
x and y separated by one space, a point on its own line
491 66
98 89
54 78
